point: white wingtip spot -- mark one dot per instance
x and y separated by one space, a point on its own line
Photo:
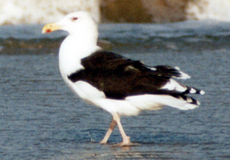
177 68
202 92
192 91
189 100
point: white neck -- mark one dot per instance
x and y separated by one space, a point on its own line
72 50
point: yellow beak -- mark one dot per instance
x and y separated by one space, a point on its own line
51 27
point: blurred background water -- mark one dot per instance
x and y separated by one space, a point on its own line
40 118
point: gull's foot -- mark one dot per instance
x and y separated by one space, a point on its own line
126 143
103 142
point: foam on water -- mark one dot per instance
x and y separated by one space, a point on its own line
209 9
43 11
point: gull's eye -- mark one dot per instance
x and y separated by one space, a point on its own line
74 18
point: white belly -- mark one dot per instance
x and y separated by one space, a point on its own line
96 97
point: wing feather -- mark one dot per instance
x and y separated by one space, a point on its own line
119 77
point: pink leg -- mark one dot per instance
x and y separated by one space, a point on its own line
110 130
126 139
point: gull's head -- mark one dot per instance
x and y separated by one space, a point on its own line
76 23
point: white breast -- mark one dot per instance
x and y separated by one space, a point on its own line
71 52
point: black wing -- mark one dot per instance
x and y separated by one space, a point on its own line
119 77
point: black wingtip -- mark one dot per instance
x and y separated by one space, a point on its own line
191 90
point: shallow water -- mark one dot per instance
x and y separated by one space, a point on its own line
42 119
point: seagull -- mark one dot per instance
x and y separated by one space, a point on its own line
119 85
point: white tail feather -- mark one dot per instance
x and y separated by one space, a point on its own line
154 102
183 75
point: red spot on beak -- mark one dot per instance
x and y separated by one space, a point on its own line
48 31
